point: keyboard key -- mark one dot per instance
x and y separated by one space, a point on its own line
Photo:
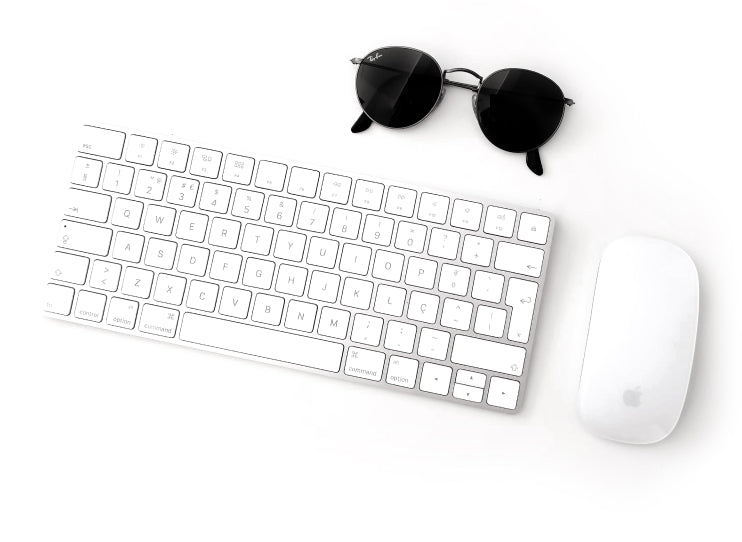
411 237
388 266
522 297
84 237
421 272
487 286
257 239
466 214
141 150
355 259
470 378
169 289
324 287
160 220
423 307
312 217
202 296
280 211
258 273
160 321
225 266
248 204
215 198
192 226
90 306
444 244
433 344
267 309
86 172
335 188
102 142
333 323
400 337
122 313
290 246
303 182
499 221
105 275
137 282
364 363
291 280
533 228
128 247
435 378
206 163
345 223
433 208
235 302
266 343
357 293
127 213
390 300
400 201
118 178
519 259
238 169
58 299
468 393
378 230
477 250
193 260
69 268
224 233
490 321
456 314
402 372
160 253
182 191
454 279
322 252
271 175
300 316
503 392
173 156
368 195
367 329
150 185
488 355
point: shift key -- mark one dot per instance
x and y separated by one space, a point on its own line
84 237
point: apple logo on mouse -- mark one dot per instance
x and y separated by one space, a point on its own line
633 397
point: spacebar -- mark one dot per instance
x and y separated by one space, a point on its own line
264 343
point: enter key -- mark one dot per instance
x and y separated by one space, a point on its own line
521 297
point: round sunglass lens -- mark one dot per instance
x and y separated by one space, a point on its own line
398 87
519 110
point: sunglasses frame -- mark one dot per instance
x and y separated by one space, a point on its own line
533 158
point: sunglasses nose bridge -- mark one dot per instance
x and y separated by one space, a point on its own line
473 88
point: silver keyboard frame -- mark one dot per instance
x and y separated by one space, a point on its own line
347 342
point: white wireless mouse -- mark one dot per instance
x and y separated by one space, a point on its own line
641 341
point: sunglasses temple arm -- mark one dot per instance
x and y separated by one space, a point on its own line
533 161
363 123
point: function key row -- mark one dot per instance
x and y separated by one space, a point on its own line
303 182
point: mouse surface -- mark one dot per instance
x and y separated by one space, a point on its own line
641 341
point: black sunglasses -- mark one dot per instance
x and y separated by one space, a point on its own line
518 110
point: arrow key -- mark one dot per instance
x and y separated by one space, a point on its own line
435 378
468 393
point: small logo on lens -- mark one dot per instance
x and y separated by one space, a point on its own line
372 58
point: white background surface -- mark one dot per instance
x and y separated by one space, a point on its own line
103 437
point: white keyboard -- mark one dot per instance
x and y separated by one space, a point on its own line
367 280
